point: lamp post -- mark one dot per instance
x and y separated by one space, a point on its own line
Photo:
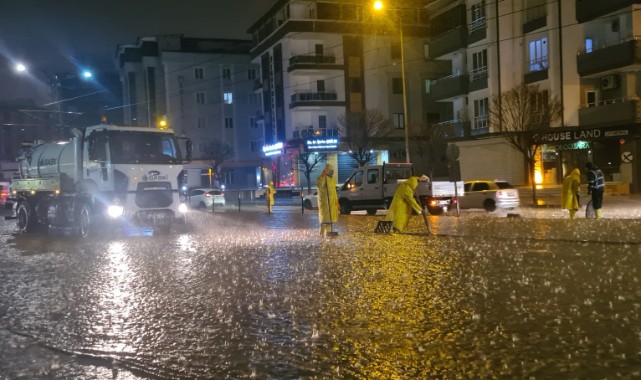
378 7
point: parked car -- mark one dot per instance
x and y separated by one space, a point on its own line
310 201
489 194
202 198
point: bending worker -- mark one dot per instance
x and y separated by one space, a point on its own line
402 204
327 200
596 186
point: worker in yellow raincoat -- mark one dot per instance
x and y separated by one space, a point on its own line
402 204
570 192
269 196
327 201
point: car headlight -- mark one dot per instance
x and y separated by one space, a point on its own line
183 207
115 211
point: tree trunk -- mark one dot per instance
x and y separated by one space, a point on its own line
533 183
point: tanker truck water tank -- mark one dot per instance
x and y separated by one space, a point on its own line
49 160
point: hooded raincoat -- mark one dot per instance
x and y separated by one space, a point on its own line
326 186
569 191
270 193
403 203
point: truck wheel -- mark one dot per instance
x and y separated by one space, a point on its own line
489 205
25 217
371 211
163 229
202 205
84 222
307 204
346 208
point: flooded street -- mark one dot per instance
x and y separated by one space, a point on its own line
254 295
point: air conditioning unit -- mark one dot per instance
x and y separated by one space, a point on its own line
609 82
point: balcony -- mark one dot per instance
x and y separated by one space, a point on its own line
315 132
535 18
587 10
451 129
612 112
478 79
612 57
449 42
313 62
478 31
480 125
258 84
315 99
450 87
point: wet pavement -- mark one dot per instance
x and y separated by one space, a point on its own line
255 295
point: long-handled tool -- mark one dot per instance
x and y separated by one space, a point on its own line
424 210
331 232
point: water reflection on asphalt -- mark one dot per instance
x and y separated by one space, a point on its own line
262 296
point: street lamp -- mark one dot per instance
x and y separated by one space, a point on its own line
378 6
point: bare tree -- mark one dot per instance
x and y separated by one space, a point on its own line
520 114
216 154
424 142
307 162
360 130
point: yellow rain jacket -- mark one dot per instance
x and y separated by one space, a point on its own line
569 190
403 203
326 187
270 193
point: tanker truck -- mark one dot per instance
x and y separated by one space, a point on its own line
104 176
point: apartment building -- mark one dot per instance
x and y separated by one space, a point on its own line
323 59
203 89
561 46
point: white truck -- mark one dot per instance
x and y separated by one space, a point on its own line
372 188
128 176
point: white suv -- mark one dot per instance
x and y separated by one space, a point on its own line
489 194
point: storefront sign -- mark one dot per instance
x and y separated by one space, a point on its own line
322 144
573 146
273 149
577 134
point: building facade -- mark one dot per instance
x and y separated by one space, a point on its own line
322 60
581 52
202 89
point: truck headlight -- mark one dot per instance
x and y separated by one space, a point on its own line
182 207
115 211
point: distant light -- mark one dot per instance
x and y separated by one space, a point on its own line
87 74
21 68
378 5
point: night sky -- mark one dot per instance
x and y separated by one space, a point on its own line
60 35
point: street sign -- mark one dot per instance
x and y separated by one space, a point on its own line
452 152
626 156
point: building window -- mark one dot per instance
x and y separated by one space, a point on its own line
322 122
428 86
228 177
480 114
253 123
320 85
399 120
538 51
228 98
395 50
229 122
256 145
202 122
479 65
589 44
397 86
477 16
199 73
200 98
251 74
226 73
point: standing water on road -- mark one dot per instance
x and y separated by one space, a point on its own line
263 296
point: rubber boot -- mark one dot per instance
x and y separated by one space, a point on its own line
597 213
572 214
324 228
